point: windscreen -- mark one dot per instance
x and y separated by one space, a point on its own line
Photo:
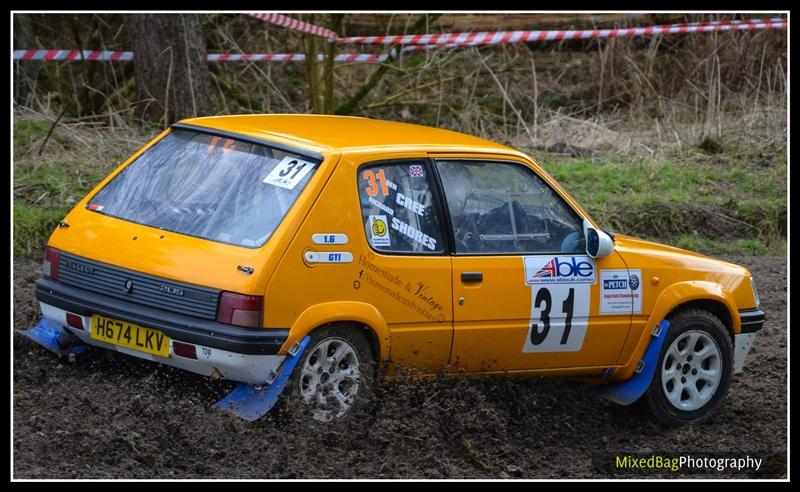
207 186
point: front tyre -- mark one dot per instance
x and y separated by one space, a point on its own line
334 374
694 369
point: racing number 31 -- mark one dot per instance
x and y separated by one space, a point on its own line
292 166
559 318
372 185
543 296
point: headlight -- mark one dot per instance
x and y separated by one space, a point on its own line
755 292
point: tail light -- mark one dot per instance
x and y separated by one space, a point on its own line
184 349
50 265
74 321
240 310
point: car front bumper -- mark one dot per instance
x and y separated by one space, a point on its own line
752 321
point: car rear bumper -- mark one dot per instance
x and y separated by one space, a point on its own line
188 329
752 321
238 354
214 362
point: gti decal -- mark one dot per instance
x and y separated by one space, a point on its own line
620 291
559 270
328 257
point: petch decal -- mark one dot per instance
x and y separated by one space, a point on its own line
559 270
620 291
379 231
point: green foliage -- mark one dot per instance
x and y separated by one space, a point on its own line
27 131
47 186
696 204
32 226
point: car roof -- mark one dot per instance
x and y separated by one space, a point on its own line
345 133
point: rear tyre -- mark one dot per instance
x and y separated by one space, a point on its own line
694 369
333 376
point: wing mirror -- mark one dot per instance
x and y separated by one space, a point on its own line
598 243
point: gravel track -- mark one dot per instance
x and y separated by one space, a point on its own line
119 417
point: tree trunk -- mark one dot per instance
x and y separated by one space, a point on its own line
25 80
311 45
336 23
170 67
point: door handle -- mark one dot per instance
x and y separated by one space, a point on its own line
472 276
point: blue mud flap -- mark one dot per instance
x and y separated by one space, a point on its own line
251 402
46 333
627 392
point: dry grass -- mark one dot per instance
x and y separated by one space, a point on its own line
713 102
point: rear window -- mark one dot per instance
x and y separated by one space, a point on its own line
212 187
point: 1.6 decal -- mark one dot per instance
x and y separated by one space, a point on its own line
329 238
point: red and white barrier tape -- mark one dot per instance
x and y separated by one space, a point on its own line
75 55
472 39
730 21
297 25
503 37
418 42
297 57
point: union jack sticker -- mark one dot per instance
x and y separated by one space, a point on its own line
415 171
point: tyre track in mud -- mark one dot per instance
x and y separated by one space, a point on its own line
118 417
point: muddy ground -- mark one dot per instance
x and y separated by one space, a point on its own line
120 417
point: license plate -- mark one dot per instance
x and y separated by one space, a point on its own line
130 335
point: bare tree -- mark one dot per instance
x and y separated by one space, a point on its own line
170 67
26 81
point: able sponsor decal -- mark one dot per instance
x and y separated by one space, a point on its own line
559 270
620 291
379 231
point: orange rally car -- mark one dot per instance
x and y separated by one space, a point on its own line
312 251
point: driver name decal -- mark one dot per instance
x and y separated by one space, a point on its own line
559 270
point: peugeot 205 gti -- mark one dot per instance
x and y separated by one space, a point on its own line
226 241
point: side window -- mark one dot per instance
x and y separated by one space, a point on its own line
506 208
398 209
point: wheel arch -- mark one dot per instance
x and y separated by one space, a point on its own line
713 306
682 295
359 315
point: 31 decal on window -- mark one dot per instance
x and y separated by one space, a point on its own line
372 186
289 172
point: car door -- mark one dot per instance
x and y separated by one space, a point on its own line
406 269
525 293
